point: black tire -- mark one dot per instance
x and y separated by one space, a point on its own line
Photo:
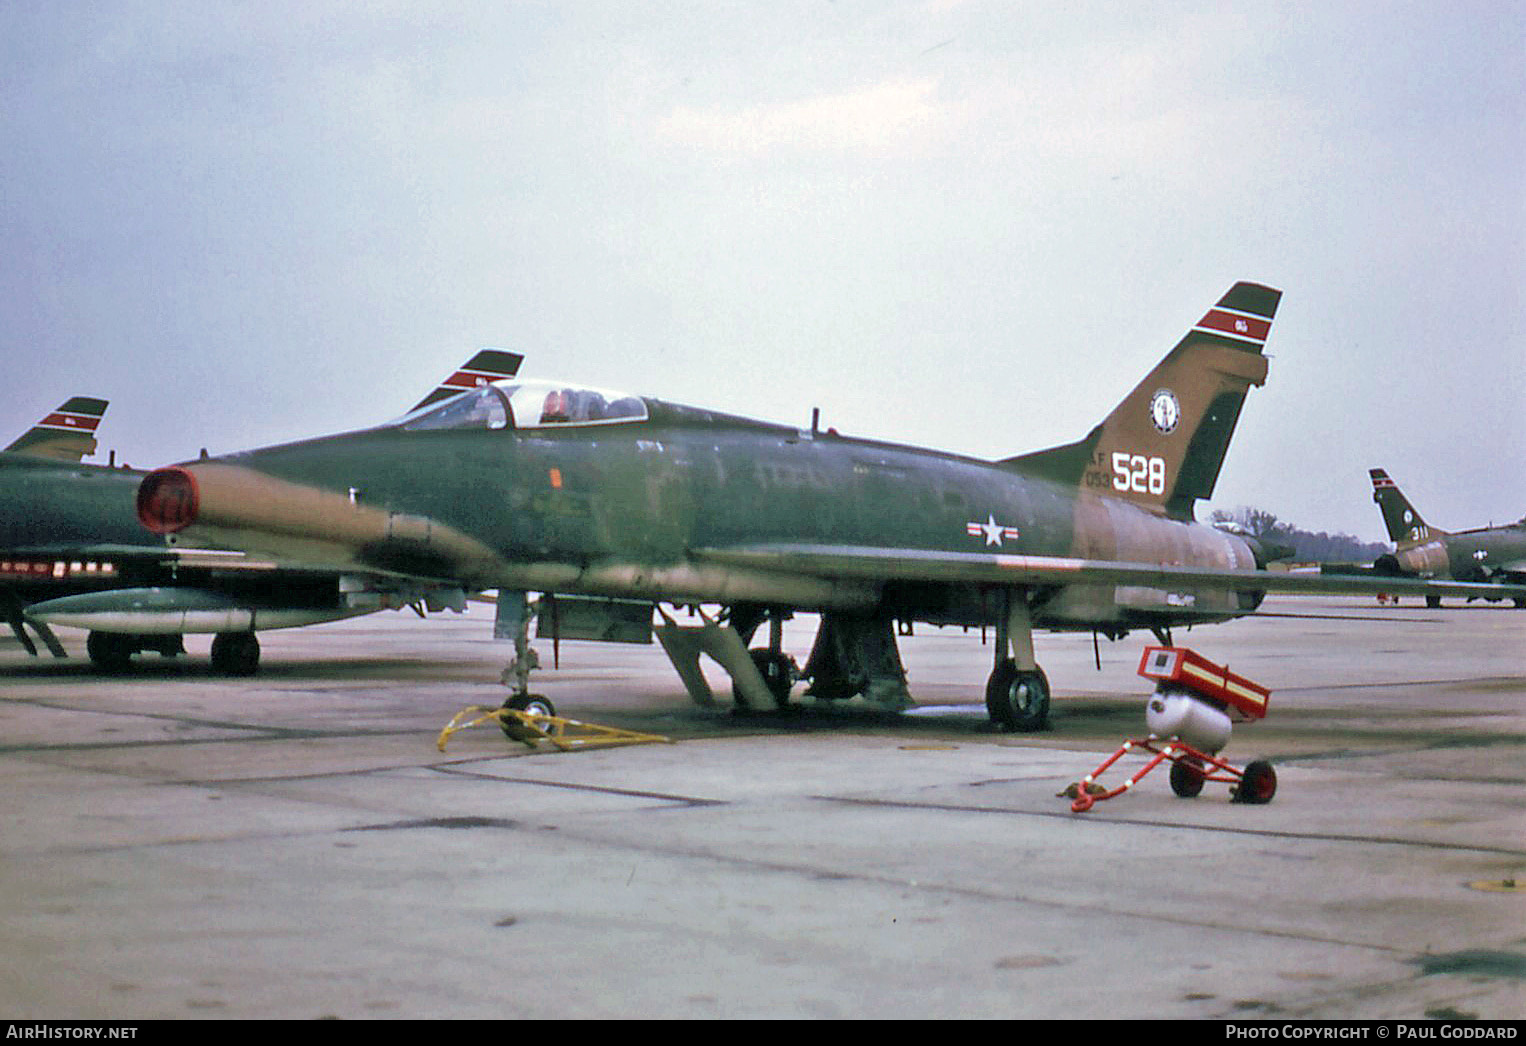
1187 777
1258 784
1018 700
535 704
778 673
109 651
1433 602
165 646
235 653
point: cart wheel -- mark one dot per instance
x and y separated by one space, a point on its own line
1258 784
1187 776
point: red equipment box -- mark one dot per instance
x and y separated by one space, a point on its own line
1200 676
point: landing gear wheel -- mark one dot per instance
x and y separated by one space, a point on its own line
1187 777
1018 700
235 653
535 704
109 652
778 673
1433 602
1258 784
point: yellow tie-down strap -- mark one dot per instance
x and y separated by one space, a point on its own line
531 728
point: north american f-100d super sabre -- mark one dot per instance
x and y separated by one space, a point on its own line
1421 550
579 492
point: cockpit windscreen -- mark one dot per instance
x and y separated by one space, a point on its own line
527 405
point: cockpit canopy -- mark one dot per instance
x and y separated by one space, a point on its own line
527 405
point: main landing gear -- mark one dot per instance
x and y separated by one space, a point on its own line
1017 699
1017 692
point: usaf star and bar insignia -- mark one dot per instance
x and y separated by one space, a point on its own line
995 533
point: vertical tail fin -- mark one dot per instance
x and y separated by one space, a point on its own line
67 433
1405 527
1164 444
489 365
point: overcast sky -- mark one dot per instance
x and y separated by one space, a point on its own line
970 225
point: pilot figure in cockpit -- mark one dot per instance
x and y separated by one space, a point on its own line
557 408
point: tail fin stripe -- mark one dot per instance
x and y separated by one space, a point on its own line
469 379
1241 326
70 422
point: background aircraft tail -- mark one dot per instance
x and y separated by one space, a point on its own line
489 365
1405 527
1164 444
67 434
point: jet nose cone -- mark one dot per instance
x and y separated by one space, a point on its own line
168 500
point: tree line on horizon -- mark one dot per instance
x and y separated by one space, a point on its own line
1308 546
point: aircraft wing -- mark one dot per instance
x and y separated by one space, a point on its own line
924 565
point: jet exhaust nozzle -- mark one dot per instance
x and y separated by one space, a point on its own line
168 500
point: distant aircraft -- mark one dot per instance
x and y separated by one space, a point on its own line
488 366
73 553
1487 554
573 491
61 436
66 434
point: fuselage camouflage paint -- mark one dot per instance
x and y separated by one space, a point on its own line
539 487
618 510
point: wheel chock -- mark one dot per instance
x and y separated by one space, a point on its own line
531 728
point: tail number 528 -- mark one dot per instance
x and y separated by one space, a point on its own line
1138 474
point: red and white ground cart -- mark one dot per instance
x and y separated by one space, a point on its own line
1195 704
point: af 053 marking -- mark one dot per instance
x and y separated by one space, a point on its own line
1138 474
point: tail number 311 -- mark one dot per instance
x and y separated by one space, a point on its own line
1138 474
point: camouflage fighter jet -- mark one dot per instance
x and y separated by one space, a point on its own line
61 437
581 492
1485 554
73 553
